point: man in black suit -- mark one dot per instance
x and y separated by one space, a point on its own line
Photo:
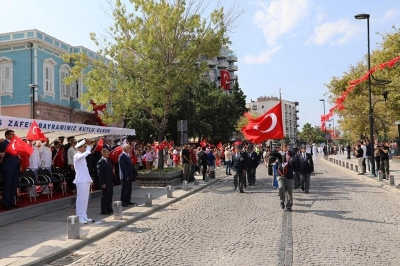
240 166
253 161
305 166
10 173
127 174
285 178
105 174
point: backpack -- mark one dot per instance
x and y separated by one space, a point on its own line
203 158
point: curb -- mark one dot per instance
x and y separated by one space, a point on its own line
84 242
366 178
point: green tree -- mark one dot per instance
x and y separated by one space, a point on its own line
152 56
307 134
354 119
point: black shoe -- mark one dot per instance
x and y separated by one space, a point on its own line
302 188
296 187
282 205
110 211
14 206
125 205
360 173
6 207
307 192
289 209
241 191
245 186
132 203
235 187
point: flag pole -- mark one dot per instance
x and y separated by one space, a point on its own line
280 100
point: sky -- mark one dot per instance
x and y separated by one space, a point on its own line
295 46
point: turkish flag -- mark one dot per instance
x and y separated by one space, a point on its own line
267 126
17 146
219 145
34 133
114 154
203 143
100 145
98 112
225 79
171 144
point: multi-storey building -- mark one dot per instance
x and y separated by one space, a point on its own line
32 57
289 113
224 61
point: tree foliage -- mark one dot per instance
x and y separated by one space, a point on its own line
354 119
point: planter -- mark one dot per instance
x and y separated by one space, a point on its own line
160 179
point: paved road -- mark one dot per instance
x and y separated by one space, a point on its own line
343 221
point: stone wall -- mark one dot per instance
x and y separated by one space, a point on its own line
159 179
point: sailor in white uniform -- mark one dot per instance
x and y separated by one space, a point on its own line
82 181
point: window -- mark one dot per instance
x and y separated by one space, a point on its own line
48 77
254 107
65 89
75 93
6 76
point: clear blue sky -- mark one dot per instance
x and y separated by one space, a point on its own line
295 45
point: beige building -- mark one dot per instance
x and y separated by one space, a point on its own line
289 113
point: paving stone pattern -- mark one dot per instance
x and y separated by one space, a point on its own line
343 221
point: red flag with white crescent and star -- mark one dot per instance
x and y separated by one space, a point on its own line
114 154
225 79
17 146
266 126
100 145
34 133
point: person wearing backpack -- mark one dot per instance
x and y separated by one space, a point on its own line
203 161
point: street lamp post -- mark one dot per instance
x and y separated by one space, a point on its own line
33 88
371 122
326 140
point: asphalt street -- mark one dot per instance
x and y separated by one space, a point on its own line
343 221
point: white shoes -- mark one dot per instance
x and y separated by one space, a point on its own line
88 220
82 221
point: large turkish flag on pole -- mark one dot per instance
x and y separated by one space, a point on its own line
34 133
266 126
114 154
225 79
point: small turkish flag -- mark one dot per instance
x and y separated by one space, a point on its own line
98 112
219 145
114 154
34 133
267 126
99 145
225 79
17 146
203 143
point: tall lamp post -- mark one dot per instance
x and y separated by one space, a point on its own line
326 140
371 122
33 88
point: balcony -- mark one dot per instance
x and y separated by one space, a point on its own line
211 62
233 77
232 58
233 68
223 64
222 55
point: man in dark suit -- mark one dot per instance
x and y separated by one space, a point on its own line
10 173
240 166
305 166
127 174
285 178
106 176
253 161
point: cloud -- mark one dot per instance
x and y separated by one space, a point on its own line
279 17
390 14
263 57
336 33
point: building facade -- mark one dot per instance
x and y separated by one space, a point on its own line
31 78
289 113
224 61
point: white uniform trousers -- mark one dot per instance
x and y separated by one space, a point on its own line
82 200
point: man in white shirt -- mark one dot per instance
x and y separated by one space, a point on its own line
228 161
45 156
34 159
82 181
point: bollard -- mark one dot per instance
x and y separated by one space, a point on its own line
73 227
351 167
169 192
380 176
344 164
391 180
195 182
347 165
117 208
356 168
185 185
207 178
149 200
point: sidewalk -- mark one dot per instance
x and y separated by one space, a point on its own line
394 168
44 238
